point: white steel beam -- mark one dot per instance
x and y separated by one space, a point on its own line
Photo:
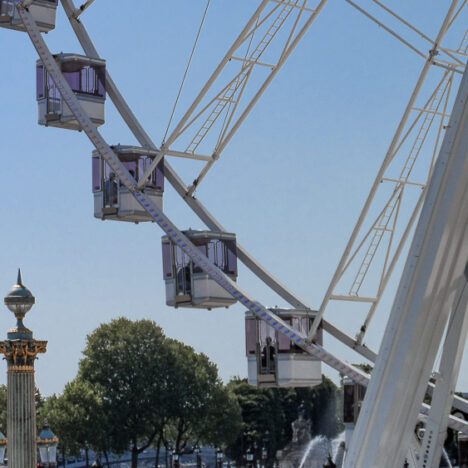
437 259
294 5
446 379
389 30
289 48
82 8
450 53
182 154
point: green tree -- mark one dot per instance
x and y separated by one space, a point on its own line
78 418
200 407
130 362
262 414
321 404
56 412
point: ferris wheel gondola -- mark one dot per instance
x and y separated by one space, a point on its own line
112 199
87 80
188 285
274 360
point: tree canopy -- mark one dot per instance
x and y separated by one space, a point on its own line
201 408
129 361
78 418
151 388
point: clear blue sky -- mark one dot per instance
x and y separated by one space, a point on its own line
304 159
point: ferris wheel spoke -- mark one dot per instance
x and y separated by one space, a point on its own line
203 118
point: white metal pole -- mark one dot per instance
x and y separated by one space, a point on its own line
446 380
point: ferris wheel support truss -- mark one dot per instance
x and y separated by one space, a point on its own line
175 234
431 294
446 379
258 35
363 246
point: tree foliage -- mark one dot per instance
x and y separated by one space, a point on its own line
77 418
200 407
154 388
129 362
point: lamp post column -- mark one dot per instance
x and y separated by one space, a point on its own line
197 452
20 351
47 444
462 450
170 453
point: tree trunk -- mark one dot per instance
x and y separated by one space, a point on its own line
87 457
106 456
64 460
134 456
158 449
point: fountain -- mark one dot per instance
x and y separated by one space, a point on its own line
302 451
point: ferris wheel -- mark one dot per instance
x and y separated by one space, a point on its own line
284 346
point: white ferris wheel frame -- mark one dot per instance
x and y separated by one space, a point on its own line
186 192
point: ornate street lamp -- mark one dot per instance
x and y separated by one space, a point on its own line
176 459
47 444
250 458
462 450
170 452
197 452
264 456
219 457
266 439
3 444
